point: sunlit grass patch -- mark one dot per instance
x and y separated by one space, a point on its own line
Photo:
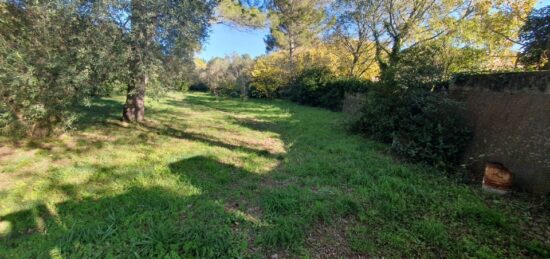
225 178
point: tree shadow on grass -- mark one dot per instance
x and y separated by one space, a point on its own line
173 132
215 210
234 212
98 114
209 220
219 210
99 111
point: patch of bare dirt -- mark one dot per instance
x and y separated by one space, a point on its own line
330 241
9 180
5 151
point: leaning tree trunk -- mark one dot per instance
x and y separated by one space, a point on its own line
142 35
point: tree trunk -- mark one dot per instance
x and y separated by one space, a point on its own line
387 68
134 108
291 59
354 62
142 35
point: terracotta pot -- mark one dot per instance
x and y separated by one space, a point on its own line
497 178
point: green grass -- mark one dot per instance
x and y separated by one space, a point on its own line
207 178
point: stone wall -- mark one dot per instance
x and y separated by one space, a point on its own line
510 116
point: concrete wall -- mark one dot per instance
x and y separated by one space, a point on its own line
510 115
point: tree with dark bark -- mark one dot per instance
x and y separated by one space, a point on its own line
166 27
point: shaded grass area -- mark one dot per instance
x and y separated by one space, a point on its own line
207 178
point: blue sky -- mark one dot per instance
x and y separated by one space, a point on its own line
225 40
542 3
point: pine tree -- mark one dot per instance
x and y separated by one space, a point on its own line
294 24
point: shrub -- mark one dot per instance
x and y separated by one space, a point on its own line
431 130
198 87
430 66
318 87
334 94
265 87
379 118
310 85
421 126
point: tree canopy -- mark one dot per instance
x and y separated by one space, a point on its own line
60 53
535 39
294 24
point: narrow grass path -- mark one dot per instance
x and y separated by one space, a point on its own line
207 178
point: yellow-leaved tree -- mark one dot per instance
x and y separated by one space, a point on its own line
271 73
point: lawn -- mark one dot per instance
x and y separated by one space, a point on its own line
226 178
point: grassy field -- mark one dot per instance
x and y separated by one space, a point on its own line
207 178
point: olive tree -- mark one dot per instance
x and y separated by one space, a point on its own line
169 27
51 57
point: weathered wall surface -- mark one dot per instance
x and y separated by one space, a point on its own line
510 115
354 103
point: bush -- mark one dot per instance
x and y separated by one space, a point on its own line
265 86
198 87
319 87
379 118
421 126
310 85
227 76
334 94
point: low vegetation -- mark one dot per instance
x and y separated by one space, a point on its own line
84 172
421 126
206 178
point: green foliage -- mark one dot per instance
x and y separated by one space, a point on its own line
239 13
310 86
175 74
317 86
269 77
379 119
332 96
229 76
55 54
352 84
294 24
265 86
430 66
421 126
51 59
535 38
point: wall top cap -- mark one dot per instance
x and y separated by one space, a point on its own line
532 82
